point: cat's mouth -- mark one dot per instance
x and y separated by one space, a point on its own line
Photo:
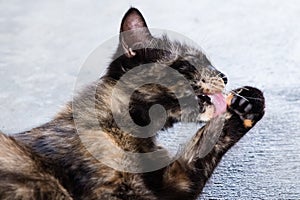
216 100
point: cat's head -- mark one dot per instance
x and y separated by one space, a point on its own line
138 47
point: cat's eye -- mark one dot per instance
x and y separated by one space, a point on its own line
183 66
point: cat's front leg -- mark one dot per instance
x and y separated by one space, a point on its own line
189 174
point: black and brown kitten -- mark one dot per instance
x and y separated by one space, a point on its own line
60 159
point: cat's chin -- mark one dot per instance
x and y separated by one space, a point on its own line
208 114
216 106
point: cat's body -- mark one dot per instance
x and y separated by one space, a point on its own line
60 160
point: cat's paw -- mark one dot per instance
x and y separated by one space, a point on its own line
248 103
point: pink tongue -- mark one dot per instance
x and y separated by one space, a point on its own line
219 102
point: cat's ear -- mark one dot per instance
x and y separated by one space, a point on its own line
133 31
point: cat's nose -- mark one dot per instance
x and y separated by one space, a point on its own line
224 77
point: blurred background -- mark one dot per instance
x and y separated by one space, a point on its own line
44 44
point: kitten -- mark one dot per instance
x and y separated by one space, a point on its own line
102 144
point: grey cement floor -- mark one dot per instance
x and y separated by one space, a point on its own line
45 43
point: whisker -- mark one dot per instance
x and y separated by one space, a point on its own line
219 73
216 87
245 88
244 97
254 98
237 94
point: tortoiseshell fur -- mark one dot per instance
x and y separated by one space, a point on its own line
51 162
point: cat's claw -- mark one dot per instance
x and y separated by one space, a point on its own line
248 103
